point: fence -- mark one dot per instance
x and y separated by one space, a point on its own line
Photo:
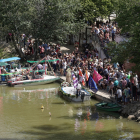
101 44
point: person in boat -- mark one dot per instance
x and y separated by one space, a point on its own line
33 73
13 78
27 77
78 90
45 66
82 96
17 78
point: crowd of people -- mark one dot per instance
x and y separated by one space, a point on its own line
124 85
104 33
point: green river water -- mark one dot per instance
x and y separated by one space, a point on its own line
21 117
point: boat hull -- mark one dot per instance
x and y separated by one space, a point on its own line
74 98
33 82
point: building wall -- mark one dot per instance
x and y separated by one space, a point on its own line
128 67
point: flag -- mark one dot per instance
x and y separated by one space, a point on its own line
81 78
92 85
86 75
83 82
96 76
80 73
75 81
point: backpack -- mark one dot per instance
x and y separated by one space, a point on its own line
118 76
42 50
105 72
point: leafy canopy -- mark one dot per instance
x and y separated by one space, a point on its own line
93 9
129 21
48 20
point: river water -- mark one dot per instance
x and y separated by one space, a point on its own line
21 117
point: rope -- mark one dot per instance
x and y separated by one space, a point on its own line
51 69
32 68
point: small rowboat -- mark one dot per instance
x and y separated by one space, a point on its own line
108 106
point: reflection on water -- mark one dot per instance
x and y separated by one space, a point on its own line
21 117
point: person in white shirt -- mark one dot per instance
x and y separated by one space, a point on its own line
64 63
136 80
54 63
12 70
96 60
45 66
22 49
48 57
78 90
119 94
101 63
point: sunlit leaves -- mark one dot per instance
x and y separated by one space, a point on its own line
129 21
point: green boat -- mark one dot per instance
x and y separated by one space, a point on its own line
108 106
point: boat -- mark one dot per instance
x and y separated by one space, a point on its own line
69 93
36 79
43 80
106 106
37 90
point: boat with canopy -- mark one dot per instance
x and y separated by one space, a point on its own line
10 59
34 79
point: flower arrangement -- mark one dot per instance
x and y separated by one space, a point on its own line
65 84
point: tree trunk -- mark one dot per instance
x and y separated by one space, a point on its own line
36 49
13 43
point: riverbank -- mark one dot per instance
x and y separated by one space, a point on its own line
132 111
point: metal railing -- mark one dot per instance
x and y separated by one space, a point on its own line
96 39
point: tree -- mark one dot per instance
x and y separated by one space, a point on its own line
129 21
93 9
47 20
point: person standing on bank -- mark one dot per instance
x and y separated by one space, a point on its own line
119 94
78 90
86 75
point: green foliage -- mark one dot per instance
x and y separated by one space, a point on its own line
47 20
129 21
93 9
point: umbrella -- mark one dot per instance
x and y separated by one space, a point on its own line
3 64
9 59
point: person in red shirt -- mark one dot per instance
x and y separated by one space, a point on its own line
76 44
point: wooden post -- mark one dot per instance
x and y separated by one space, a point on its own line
45 66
